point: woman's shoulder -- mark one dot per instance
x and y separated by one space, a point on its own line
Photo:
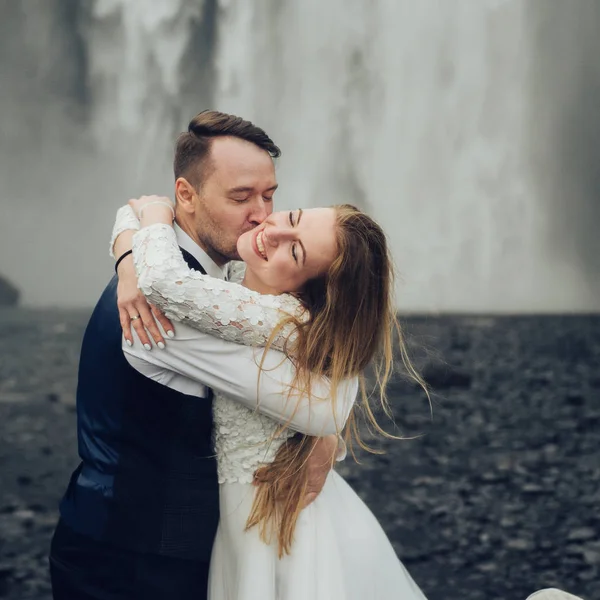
291 305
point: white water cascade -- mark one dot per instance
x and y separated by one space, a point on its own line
423 113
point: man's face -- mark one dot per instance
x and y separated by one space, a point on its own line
237 195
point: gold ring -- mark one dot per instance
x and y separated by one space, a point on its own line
134 318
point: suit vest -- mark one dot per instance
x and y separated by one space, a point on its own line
147 479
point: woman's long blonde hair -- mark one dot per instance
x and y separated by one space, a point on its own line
351 325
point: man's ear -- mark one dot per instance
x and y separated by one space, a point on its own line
185 195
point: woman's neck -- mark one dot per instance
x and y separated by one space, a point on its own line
253 283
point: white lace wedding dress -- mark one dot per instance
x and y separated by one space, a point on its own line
340 552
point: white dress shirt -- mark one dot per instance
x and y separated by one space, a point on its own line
193 361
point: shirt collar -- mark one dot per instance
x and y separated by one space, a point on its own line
187 243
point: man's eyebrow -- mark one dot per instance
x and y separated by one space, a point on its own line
241 188
248 188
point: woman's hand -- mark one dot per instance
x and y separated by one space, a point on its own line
153 209
134 309
132 303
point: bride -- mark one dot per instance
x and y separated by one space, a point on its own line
318 286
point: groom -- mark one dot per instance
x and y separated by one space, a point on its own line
140 513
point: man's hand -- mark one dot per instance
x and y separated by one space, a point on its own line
320 462
131 303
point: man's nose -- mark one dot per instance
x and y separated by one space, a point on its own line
259 212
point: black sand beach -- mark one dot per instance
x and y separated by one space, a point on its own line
499 496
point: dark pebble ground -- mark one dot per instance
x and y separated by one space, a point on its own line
499 496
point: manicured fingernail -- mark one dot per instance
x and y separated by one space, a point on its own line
129 343
148 346
161 345
171 333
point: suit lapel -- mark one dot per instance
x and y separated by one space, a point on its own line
192 262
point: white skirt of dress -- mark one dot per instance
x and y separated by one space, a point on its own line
340 552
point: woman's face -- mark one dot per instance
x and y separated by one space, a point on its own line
288 249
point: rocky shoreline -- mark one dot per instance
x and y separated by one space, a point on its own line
9 294
496 495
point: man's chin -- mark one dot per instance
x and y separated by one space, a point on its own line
223 255
231 254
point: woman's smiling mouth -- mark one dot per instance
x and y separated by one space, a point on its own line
260 245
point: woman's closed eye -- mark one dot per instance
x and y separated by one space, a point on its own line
293 223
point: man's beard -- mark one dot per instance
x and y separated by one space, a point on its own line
225 254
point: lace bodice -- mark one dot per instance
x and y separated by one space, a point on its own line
244 439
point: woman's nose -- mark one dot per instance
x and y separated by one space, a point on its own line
275 234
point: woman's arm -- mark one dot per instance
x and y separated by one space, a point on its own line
234 370
126 224
203 351
221 308
228 312
130 301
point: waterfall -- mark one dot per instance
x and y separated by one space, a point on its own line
413 121
426 114
136 50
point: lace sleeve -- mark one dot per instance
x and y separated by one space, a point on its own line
125 220
220 308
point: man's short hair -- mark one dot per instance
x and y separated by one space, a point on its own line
192 148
